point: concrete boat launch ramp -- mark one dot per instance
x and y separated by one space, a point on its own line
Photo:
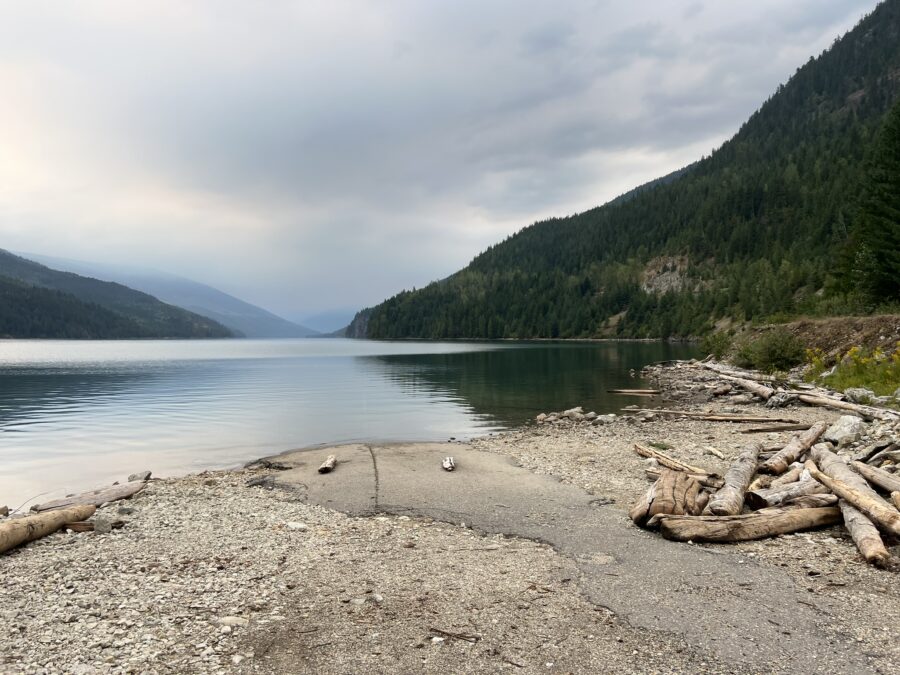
745 613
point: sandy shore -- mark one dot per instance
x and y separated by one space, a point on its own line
211 575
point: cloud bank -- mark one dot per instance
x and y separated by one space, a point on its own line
316 155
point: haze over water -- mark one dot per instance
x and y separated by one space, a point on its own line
76 415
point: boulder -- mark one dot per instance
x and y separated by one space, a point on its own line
141 475
540 418
859 394
4 511
573 411
603 419
590 416
848 429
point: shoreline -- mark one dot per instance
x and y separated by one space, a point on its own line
307 579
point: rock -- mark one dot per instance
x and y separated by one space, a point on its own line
540 418
577 409
721 390
236 660
377 598
576 416
848 429
859 394
897 394
4 511
590 416
141 476
603 419
300 527
102 526
233 621
225 630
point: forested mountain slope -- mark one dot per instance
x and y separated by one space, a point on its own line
756 230
138 315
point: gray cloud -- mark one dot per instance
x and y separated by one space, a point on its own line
311 155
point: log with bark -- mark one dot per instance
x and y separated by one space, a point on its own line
328 465
878 511
675 492
879 477
730 499
867 411
799 444
760 499
755 388
862 530
94 497
744 527
22 530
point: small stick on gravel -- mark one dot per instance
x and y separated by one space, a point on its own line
457 636
328 465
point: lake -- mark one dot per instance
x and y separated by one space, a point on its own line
76 415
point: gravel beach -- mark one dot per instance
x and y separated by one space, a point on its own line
212 575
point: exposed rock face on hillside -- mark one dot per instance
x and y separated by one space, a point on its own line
665 274
358 328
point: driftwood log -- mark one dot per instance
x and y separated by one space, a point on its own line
706 480
867 411
715 417
878 511
635 392
776 496
730 499
753 387
734 372
670 462
328 465
22 530
879 477
811 501
675 493
776 428
94 497
799 444
863 532
895 497
744 527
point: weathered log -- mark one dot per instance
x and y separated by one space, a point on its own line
328 465
811 501
863 532
878 511
867 411
22 530
791 452
776 428
670 462
730 499
762 481
895 497
714 417
874 453
706 480
744 527
878 477
675 492
80 526
759 499
635 392
792 475
94 497
753 387
734 372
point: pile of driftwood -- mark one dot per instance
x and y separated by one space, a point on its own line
67 513
768 492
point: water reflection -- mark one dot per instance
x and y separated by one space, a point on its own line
72 416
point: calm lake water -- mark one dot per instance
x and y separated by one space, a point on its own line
76 415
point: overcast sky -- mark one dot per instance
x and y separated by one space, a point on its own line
315 155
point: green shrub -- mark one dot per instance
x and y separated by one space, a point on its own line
870 369
774 350
716 344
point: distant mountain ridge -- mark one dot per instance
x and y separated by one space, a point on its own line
243 318
42 302
756 231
